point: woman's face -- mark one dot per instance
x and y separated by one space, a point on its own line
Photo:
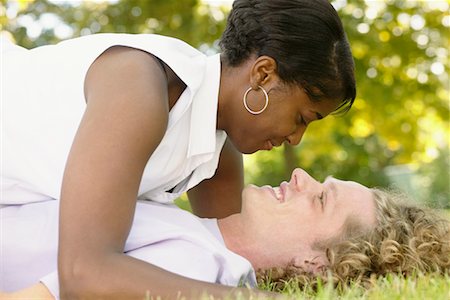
293 217
289 112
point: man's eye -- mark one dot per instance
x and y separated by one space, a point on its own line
322 198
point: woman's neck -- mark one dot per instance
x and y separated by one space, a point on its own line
234 81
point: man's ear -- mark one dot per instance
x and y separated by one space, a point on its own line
313 262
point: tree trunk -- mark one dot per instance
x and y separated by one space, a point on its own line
290 160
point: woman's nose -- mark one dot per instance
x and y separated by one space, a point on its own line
295 138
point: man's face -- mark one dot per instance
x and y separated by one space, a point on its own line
290 219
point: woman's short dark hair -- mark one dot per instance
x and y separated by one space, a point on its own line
306 39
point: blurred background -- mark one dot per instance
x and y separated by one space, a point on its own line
396 134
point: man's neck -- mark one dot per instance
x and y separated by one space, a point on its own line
237 238
231 230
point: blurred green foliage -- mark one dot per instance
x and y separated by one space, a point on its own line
39 22
400 119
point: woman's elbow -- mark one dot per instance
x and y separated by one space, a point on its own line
75 278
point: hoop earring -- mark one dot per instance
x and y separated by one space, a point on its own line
244 100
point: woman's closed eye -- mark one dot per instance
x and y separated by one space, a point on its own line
301 120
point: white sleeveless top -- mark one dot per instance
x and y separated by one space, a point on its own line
43 103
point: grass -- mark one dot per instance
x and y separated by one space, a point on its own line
429 287
390 288
447 213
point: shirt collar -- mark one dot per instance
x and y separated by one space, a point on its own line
213 228
204 110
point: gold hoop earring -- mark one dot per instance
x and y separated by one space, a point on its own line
248 108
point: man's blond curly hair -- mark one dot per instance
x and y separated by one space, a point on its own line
408 240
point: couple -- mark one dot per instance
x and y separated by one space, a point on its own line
301 229
93 123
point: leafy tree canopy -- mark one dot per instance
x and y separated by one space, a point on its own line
400 116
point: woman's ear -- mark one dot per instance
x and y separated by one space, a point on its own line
314 262
263 71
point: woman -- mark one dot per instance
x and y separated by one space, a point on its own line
337 225
100 121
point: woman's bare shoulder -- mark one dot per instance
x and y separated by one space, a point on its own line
126 71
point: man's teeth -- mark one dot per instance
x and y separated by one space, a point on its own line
278 193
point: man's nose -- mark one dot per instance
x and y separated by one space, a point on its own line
302 181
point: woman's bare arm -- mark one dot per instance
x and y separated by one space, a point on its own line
220 196
125 120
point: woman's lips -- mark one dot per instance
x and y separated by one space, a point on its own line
269 145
